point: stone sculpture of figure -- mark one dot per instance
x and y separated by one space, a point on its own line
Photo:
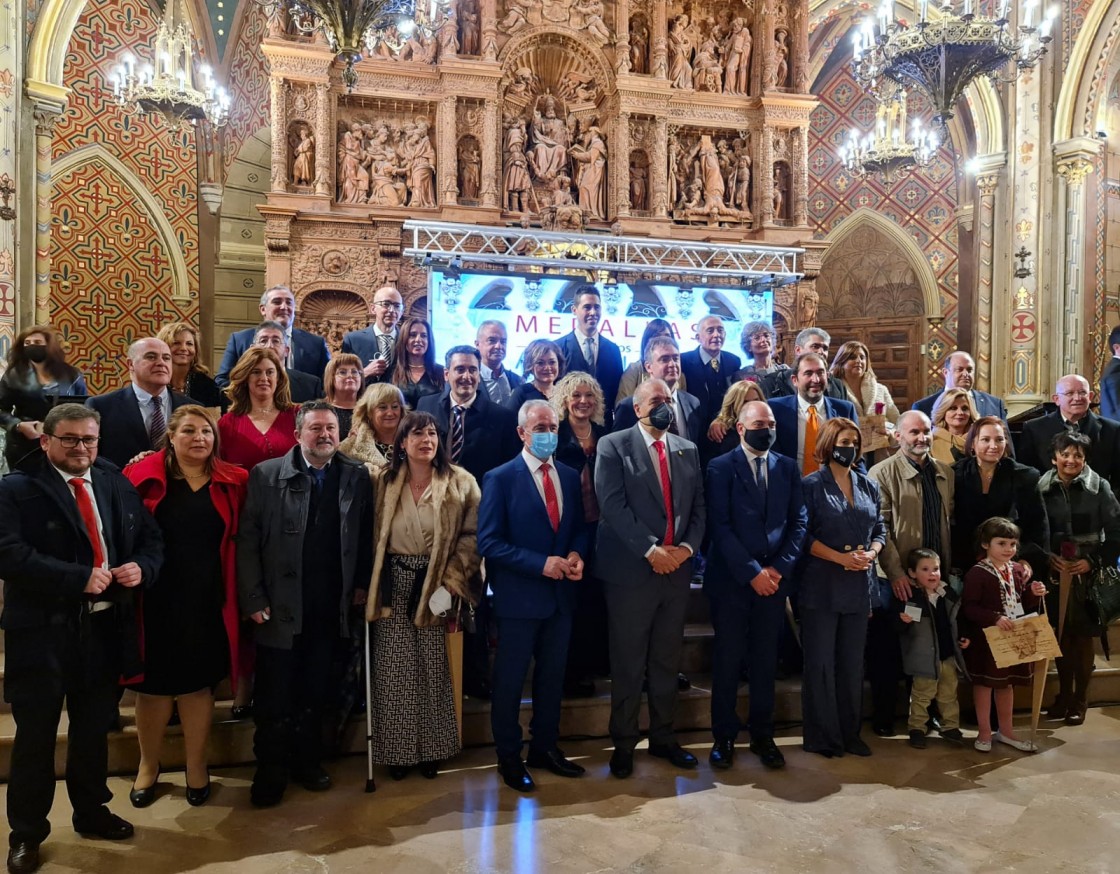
470 170
470 27
563 215
592 13
549 154
420 161
675 191
303 163
525 82
448 36
639 186
352 178
591 157
639 45
709 171
807 307
516 182
779 196
781 60
386 188
680 53
741 182
708 73
517 16
738 56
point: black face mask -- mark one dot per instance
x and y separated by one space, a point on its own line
35 354
844 455
661 417
760 440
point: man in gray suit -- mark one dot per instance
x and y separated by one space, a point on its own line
651 521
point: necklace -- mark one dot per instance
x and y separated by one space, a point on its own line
418 488
579 436
416 367
264 411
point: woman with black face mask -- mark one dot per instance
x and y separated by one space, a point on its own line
845 534
37 378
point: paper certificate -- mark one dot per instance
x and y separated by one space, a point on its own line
1030 640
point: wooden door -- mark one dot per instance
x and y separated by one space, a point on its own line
896 352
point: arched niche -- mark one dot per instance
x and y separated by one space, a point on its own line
639 182
331 310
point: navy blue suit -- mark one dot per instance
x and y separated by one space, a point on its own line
608 364
309 353
785 415
709 385
749 531
490 431
986 404
123 435
534 612
1110 390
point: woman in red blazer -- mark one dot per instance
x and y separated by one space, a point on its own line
190 614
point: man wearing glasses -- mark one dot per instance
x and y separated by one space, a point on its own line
76 544
1072 395
375 345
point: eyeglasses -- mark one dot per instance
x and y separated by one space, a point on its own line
1074 394
388 305
70 442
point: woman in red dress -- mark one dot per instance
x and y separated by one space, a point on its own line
261 422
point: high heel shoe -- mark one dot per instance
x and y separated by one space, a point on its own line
429 770
198 797
399 772
143 797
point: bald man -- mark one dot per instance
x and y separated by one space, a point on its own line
959 371
375 344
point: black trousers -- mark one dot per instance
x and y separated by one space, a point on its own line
476 649
293 690
884 666
44 666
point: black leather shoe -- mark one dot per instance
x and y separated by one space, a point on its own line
722 755
399 772
266 794
241 711
683 683
478 689
429 770
584 688
675 753
23 858
198 797
768 752
883 729
107 826
514 774
917 739
857 747
313 779
143 797
622 763
555 762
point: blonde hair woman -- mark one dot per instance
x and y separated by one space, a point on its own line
374 426
189 375
953 416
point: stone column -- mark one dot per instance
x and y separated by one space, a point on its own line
622 38
279 136
1074 161
491 148
764 178
446 157
799 46
489 13
763 50
44 185
659 51
621 162
800 177
987 182
324 141
659 169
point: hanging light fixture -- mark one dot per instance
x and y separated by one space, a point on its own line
940 56
167 85
891 150
353 28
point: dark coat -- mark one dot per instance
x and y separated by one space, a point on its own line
304 386
608 364
785 417
270 543
1110 390
309 353
708 385
490 437
22 399
921 655
695 428
1104 454
364 344
123 435
205 391
779 384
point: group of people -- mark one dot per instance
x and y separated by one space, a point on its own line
274 514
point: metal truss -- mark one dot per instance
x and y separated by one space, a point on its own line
447 244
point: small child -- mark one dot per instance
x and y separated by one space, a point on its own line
931 649
997 590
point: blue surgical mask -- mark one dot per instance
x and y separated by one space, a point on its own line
543 444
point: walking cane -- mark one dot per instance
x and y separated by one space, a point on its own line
370 787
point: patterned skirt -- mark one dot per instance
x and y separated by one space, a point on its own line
413 705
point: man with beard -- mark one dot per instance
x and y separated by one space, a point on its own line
779 383
799 417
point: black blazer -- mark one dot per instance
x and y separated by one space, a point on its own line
123 435
695 428
706 384
1110 390
1104 455
490 437
304 386
608 364
309 353
779 384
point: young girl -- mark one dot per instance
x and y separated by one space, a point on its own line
997 590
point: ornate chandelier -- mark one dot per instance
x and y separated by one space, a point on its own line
167 84
356 28
891 150
942 56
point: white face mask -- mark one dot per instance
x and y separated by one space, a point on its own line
440 602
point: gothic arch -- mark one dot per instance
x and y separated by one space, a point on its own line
95 153
1081 102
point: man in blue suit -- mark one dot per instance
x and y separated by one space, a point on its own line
1110 379
308 353
756 524
532 534
587 350
709 370
793 413
960 372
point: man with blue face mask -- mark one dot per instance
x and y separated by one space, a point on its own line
532 533
756 526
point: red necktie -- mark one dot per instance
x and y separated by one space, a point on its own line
666 492
85 509
550 502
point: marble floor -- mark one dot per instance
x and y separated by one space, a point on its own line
941 810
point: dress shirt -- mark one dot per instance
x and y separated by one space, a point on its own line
466 405
594 338
538 478
145 400
751 456
378 334
705 358
497 387
66 477
802 418
678 416
656 462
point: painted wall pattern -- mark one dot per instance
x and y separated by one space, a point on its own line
10 76
110 273
248 83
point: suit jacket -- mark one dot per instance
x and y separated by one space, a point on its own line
490 431
304 386
608 363
748 533
1110 390
785 415
693 428
708 385
516 538
309 353
632 510
46 556
986 404
1104 455
779 384
123 435
364 344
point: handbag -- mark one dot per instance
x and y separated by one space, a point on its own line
1104 595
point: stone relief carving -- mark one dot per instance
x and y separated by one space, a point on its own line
516 184
301 142
586 16
590 156
470 27
710 53
779 60
470 169
384 163
639 181
709 179
639 44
